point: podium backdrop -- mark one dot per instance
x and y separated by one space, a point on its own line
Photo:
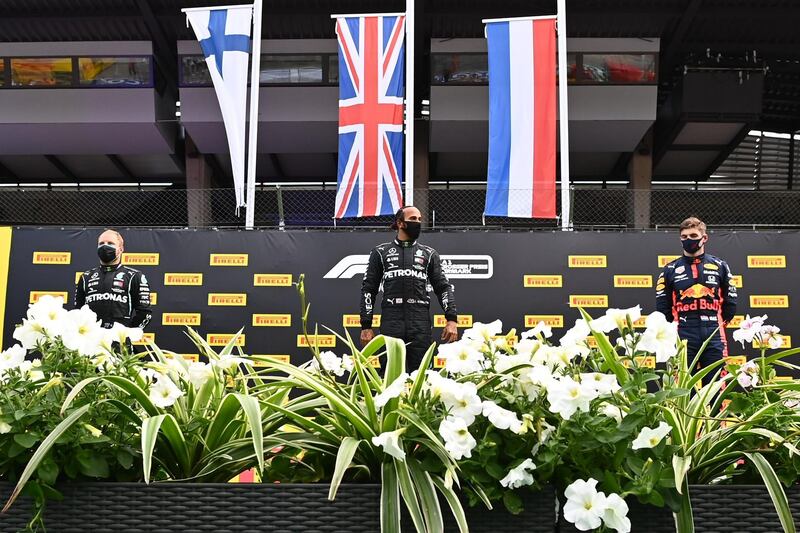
220 281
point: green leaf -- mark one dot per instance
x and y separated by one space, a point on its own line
150 430
92 464
684 521
680 465
452 500
344 457
775 490
48 471
427 495
390 499
409 493
26 440
512 501
252 410
40 453
124 459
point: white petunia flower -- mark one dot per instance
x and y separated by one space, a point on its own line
198 373
463 402
768 335
747 376
458 441
566 396
611 411
616 319
749 328
390 442
483 332
576 334
33 370
615 515
532 381
12 358
603 384
49 313
30 333
461 358
120 333
540 329
164 392
82 332
4 428
228 363
650 437
585 506
347 363
660 337
330 362
501 418
394 390
519 476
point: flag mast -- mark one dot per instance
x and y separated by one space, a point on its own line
563 114
410 104
252 136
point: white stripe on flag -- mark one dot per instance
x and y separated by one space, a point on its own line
520 197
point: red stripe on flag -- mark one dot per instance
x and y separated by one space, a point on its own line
392 43
370 169
348 59
348 192
387 152
544 119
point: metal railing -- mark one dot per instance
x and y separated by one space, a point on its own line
445 208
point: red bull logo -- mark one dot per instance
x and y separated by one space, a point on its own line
698 293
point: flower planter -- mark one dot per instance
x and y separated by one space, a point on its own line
716 509
240 507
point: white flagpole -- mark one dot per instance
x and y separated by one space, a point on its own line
410 104
563 114
252 136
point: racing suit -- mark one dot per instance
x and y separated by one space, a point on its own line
116 293
407 271
698 292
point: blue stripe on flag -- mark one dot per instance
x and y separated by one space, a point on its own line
397 86
219 43
497 180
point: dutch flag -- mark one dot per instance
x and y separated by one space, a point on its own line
521 180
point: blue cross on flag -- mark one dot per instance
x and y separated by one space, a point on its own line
224 36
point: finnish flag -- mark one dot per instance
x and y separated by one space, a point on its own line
224 36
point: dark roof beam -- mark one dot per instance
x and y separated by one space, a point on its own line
120 166
7 173
61 167
166 55
276 164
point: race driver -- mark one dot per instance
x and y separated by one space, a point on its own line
115 293
407 270
697 290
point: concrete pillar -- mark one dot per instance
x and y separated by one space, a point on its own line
199 182
641 178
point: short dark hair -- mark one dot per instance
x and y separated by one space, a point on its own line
693 222
398 216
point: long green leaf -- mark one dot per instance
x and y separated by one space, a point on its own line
344 457
454 503
42 450
684 521
252 410
420 380
607 351
680 465
395 366
151 427
775 490
390 499
409 492
123 384
427 497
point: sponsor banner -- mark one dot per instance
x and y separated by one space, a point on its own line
321 341
758 301
272 280
147 338
222 339
453 266
153 298
180 319
633 281
354 321
227 299
229 260
52 258
78 277
272 320
554 321
735 322
647 361
464 321
640 323
543 280
736 281
511 340
785 339
591 342
781 379
283 358
587 261
766 261
35 295
191 357
738 360
664 260
140 259
183 278
588 300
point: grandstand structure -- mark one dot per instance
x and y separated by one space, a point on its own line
676 107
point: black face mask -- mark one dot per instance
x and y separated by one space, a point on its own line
691 245
413 229
106 253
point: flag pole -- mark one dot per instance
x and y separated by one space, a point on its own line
563 114
252 136
410 105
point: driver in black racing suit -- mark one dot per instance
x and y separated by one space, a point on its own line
115 293
405 268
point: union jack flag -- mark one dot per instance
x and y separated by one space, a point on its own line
371 89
